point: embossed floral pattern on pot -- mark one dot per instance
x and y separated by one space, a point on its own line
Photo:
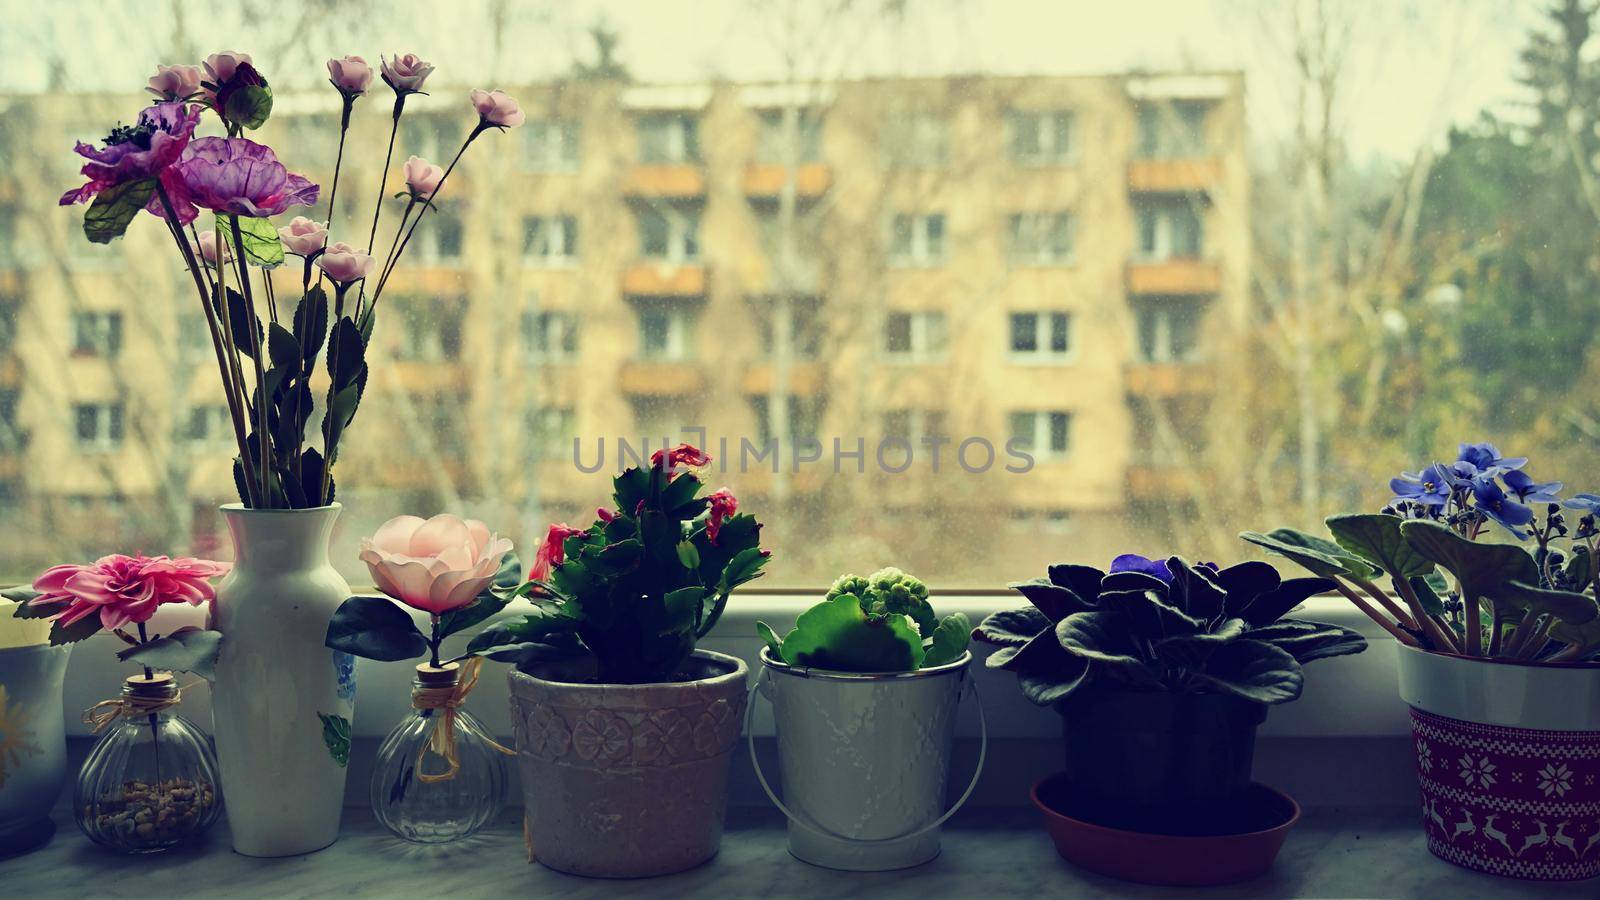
601 736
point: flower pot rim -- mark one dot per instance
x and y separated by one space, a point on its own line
237 508
735 674
780 667
1583 665
1051 812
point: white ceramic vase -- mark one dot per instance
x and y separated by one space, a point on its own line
282 701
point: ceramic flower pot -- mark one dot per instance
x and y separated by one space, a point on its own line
626 780
865 759
281 700
33 744
1508 759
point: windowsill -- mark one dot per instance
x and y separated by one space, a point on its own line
1041 359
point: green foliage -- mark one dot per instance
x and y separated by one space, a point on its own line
114 208
188 649
250 106
262 247
336 735
881 623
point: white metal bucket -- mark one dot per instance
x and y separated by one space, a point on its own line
864 758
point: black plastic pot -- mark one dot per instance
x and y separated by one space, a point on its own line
1158 762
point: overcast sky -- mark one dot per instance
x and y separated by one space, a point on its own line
1415 66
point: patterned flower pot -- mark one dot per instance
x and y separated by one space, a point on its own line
1508 757
626 780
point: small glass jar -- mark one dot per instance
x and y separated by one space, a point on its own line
151 781
410 794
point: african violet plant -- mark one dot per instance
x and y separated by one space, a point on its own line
1154 626
1501 600
881 623
638 587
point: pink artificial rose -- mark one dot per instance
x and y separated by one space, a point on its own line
551 552
223 65
351 75
497 108
405 73
345 264
175 82
434 565
722 504
208 247
422 177
303 237
125 589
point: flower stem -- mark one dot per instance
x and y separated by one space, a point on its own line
437 190
433 645
339 290
263 447
383 187
155 728
1372 613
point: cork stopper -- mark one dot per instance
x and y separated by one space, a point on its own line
446 675
158 686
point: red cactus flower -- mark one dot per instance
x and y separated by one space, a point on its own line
551 552
723 505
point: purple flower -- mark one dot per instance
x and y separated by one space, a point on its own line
240 177
1529 491
1496 505
1133 562
1589 503
136 152
1430 487
1487 456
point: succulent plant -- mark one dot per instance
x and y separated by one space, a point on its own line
881 623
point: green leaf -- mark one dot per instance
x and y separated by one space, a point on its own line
631 488
1307 641
1585 636
1272 605
1428 593
949 641
1013 627
77 631
311 322
1575 609
243 324
770 638
1319 556
681 609
1480 569
1104 639
688 555
188 649
336 735
262 247
835 634
1192 650
744 567
22 595
375 628
346 354
1054 601
1254 670
464 617
520 634
1376 538
249 106
113 208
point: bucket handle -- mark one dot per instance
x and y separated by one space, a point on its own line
750 740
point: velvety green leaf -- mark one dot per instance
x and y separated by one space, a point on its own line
188 649
1192 650
1479 568
1103 638
113 208
1050 688
1254 670
250 106
262 246
1307 641
1013 627
1053 600
1195 590
949 640
1377 539
1578 609
1585 636
375 628
1083 581
1123 582
837 635
1244 582
1317 555
1579 567
1149 614
1268 607
1428 594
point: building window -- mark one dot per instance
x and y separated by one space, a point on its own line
1041 239
549 240
550 336
669 233
1169 331
772 146
805 325
429 329
916 336
1047 434
918 140
668 139
439 239
1169 231
551 431
805 417
96 334
11 436
1041 521
917 240
550 145
913 425
1041 138
209 424
1041 336
1172 130
666 332
98 426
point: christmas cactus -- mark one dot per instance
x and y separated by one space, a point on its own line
882 623
637 588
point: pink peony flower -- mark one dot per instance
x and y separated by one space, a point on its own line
551 552
227 74
681 456
351 75
222 66
345 264
239 176
145 150
422 177
208 247
434 565
303 237
497 108
126 589
405 73
722 504
175 82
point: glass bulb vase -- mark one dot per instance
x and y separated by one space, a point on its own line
151 781
439 776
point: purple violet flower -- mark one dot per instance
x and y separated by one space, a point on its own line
240 177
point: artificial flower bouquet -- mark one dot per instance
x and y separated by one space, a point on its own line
162 166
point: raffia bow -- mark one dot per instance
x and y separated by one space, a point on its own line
99 716
442 739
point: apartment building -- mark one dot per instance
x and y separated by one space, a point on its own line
1060 263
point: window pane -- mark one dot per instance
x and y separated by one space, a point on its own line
1024 332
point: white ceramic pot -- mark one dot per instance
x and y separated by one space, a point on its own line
865 759
1508 759
33 744
282 701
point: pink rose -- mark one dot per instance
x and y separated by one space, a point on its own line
405 73
436 565
125 589
351 75
208 247
221 66
422 177
303 237
497 108
345 264
175 82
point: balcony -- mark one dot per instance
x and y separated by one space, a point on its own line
1174 277
805 379
664 279
765 181
1174 176
1156 483
661 378
1159 381
677 181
